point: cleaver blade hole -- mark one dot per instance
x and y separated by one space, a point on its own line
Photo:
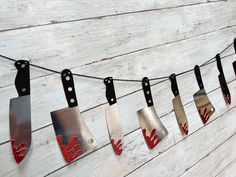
90 141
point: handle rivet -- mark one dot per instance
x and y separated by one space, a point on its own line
23 89
72 100
149 101
112 100
23 65
67 78
70 89
146 84
148 92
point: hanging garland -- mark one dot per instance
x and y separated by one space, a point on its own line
73 136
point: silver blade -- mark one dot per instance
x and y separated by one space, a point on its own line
73 136
152 128
114 128
20 126
203 104
180 115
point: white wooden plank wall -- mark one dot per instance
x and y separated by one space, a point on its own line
123 39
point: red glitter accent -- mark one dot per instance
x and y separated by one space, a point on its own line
151 140
18 151
70 151
184 127
227 99
203 114
117 146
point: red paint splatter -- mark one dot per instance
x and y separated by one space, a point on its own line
152 140
18 151
184 127
204 114
70 151
117 146
227 99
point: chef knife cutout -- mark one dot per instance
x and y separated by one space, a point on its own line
203 104
152 128
113 118
234 63
178 106
20 112
73 136
222 80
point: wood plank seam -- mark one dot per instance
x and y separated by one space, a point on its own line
128 53
107 16
225 167
217 147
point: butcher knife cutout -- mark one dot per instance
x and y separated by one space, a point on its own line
152 128
222 80
234 63
113 118
73 136
203 104
178 106
20 112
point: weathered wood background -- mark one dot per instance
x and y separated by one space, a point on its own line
125 39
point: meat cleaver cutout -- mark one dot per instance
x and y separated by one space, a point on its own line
222 80
203 104
73 136
20 112
178 106
113 118
152 128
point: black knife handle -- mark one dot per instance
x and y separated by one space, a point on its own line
198 76
69 87
174 86
147 91
22 81
219 64
234 63
110 90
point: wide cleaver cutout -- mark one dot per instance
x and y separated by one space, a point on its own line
73 136
152 128
222 80
113 118
178 106
203 104
20 112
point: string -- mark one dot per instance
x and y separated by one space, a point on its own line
163 78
